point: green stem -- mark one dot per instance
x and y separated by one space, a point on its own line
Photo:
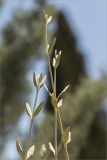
56 117
62 131
53 83
46 50
31 124
56 148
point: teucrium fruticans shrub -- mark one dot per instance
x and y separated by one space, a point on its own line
56 101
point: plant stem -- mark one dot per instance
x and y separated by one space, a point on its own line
62 130
56 145
46 50
56 117
31 124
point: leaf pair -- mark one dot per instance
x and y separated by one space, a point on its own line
39 81
36 112
30 151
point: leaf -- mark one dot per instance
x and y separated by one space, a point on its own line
34 80
28 110
51 148
58 59
43 81
64 90
54 62
66 137
39 108
49 19
59 104
40 77
19 149
30 152
51 46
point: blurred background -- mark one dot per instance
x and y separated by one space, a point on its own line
81 30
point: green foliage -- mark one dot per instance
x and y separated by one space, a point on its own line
79 111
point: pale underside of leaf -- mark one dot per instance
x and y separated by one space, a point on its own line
28 110
49 19
19 149
30 152
51 148
60 103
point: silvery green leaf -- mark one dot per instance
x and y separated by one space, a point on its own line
58 59
34 80
43 81
37 111
54 62
30 152
59 104
49 19
51 148
51 46
66 137
69 137
19 149
40 78
64 90
28 110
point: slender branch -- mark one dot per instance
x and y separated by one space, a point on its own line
46 50
31 124
56 145
56 109
62 131
56 117
53 83
47 90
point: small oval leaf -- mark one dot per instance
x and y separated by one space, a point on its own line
59 104
19 149
49 19
51 148
43 81
30 152
58 59
51 46
34 80
28 110
37 111
40 77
